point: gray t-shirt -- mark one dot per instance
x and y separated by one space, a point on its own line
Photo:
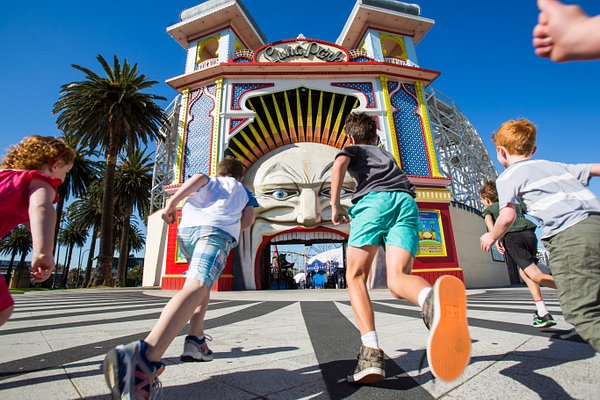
551 192
375 170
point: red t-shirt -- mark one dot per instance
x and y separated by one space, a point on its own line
14 195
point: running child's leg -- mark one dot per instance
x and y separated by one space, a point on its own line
371 361
539 277
178 311
400 281
195 347
542 318
360 260
444 312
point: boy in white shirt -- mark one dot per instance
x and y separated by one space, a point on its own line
211 221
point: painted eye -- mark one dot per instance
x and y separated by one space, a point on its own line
281 194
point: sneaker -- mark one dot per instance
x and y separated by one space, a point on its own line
445 314
195 349
543 322
370 367
129 376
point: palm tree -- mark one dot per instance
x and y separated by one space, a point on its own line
17 242
136 242
70 236
112 113
87 213
83 173
133 183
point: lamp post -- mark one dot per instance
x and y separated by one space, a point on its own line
79 264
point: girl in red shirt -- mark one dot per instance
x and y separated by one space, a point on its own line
29 175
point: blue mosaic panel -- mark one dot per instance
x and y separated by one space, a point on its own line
361 59
242 60
408 129
199 133
240 89
365 87
235 122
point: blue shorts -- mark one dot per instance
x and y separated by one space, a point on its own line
385 218
206 249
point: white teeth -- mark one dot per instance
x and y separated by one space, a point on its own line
308 236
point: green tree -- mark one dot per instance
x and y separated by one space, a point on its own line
70 236
18 241
133 183
111 113
135 242
87 212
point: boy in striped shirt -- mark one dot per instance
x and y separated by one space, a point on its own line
555 194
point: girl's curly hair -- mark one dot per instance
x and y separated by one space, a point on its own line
35 151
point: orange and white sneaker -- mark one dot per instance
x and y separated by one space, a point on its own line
445 314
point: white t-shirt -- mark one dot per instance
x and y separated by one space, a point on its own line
219 203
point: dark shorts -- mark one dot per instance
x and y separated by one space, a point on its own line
521 248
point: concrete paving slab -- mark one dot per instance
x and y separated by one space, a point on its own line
291 345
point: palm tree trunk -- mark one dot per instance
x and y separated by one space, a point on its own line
59 212
65 278
20 272
124 247
90 261
10 268
105 258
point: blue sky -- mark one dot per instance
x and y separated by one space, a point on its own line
483 50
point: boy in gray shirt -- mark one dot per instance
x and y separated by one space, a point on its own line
384 213
555 195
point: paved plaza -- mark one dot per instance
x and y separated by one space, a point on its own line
291 345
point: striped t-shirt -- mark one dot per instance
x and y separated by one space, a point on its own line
551 192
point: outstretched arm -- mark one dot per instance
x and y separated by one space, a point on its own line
595 171
566 32
504 221
247 217
169 213
42 219
338 214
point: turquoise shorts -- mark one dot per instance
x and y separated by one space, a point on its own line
385 218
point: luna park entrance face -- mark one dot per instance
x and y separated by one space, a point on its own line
305 266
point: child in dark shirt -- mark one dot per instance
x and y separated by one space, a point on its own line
385 214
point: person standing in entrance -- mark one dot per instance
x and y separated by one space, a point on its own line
211 221
519 246
384 213
555 194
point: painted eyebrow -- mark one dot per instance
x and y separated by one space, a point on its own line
285 168
327 168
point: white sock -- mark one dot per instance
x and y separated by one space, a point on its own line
370 339
541 307
423 295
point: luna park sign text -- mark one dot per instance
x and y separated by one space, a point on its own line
301 52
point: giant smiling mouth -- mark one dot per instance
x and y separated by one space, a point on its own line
296 235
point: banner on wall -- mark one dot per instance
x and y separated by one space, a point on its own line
431 234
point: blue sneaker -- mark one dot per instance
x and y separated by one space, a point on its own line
129 375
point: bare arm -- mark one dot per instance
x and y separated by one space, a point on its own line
42 219
595 171
566 32
338 214
247 217
169 213
489 222
503 223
